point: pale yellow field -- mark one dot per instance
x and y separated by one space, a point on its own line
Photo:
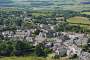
82 21
87 13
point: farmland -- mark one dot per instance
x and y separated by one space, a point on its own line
82 21
87 13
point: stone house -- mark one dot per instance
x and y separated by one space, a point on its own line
60 51
60 19
73 50
84 56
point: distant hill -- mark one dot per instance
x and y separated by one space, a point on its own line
46 4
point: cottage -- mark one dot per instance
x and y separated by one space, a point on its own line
60 19
61 51
8 34
39 39
73 49
84 56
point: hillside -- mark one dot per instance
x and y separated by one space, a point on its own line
82 21
46 4
78 19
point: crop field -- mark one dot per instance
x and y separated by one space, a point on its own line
77 20
87 13
82 21
41 14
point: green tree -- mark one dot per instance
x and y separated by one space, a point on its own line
39 51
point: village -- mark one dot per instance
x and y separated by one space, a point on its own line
44 30
62 43
55 33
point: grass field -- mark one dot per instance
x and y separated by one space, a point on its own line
22 58
82 21
34 58
41 14
87 13
30 58
77 19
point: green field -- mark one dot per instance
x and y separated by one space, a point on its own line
82 21
34 58
87 13
30 58
22 58
41 14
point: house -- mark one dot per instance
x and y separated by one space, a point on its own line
8 33
51 33
39 39
84 56
30 39
81 41
60 19
49 45
60 51
20 33
46 27
42 34
73 50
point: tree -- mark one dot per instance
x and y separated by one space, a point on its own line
28 24
39 51
19 22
